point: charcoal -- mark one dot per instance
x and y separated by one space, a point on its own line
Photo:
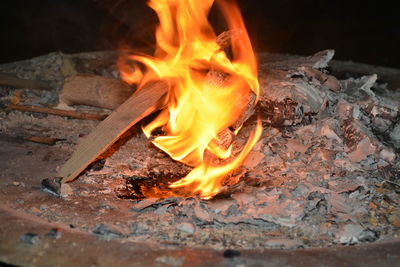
230 253
140 228
368 236
54 233
106 232
52 186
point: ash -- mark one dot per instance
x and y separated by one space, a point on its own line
325 171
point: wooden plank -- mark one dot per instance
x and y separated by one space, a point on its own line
135 108
58 112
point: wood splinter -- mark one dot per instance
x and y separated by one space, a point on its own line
139 105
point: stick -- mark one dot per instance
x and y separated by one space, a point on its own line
43 140
386 74
12 81
135 108
59 112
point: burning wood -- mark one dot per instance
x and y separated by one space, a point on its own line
200 106
190 121
108 131
324 171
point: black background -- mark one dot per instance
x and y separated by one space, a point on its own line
361 31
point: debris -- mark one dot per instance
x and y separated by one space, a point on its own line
327 81
253 159
350 234
43 140
286 101
339 204
284 243
387 155
106 232
59 112
66 190
29 238
169 261
325 173
54 233
52 186
139 228
200 214
143 204
231 253
363 149
395 135
186 228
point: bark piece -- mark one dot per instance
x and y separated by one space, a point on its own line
93 90
135 108
324 79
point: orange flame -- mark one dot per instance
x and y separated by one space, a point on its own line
200 105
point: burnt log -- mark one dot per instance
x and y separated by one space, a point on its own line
287 99
135 108
93 90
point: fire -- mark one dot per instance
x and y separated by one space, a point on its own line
200 105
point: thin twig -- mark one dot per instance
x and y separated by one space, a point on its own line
59 112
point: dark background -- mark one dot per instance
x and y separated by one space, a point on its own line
361 31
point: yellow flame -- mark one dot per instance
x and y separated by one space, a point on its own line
200 105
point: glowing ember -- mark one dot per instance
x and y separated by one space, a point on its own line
199 105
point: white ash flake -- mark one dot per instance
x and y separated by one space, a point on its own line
330 179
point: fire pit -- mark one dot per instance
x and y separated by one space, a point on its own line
214 157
